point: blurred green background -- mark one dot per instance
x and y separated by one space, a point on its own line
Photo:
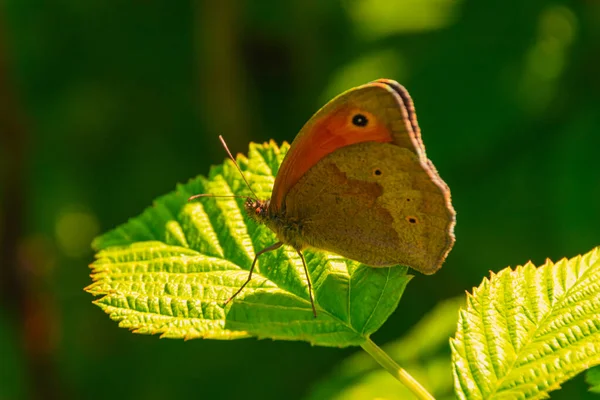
104 106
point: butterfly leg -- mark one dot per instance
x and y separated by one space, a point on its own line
310 291
265 250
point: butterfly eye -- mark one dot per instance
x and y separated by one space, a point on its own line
411 219
360 120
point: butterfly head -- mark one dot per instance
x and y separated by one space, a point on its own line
258 210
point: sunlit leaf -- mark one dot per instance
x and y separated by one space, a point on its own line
169 270
526 331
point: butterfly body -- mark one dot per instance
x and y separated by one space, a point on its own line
289 230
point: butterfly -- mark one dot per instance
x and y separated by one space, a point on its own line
356 182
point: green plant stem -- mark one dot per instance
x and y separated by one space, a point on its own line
399 373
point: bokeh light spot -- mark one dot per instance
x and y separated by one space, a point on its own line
374 19
378 64
75 231
546 59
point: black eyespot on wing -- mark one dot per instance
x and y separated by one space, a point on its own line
412 220
377 172
360 120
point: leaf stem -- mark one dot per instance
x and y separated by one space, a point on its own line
397 372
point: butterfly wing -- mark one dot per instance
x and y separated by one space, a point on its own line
373 202
367 191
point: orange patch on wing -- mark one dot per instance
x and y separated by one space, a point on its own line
331 132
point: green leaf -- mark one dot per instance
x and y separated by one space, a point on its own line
424 352
524 332
169 270
593 379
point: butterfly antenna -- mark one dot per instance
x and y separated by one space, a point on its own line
197 196
236 165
